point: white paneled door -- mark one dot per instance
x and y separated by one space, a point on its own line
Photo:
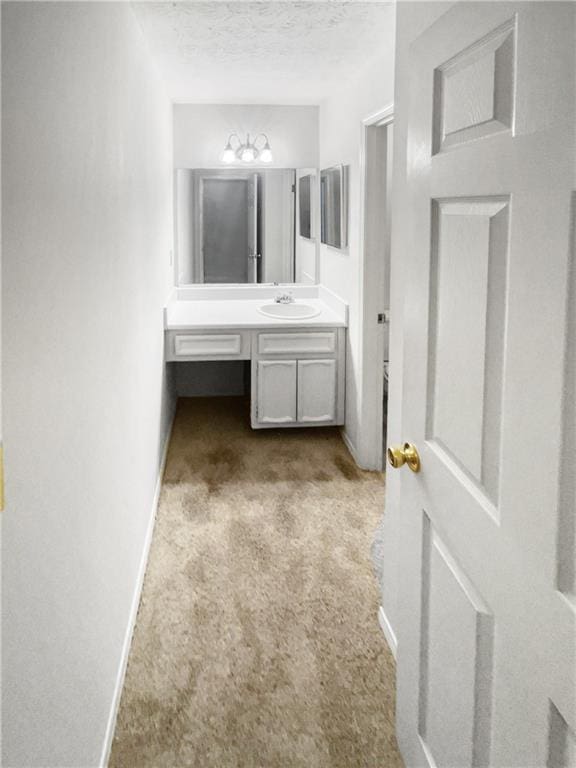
316 391
487 643
277 391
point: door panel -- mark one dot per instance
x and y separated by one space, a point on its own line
277 391
487 641
468 274
455 660
473 91
316 390
562 742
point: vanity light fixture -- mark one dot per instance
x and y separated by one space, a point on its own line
248 151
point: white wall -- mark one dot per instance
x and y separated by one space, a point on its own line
201 131
87 180
340 141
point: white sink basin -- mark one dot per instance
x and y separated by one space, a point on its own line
289 311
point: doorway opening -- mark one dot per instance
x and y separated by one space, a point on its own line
377 140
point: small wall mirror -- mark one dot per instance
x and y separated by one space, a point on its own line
239 226
305 205
334 206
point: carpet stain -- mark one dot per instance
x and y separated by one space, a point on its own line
347 467
257 643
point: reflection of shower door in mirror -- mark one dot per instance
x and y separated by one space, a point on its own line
236 226
228 216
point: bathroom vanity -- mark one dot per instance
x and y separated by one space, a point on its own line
247 289
297 356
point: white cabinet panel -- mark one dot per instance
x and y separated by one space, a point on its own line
213 344
208 345
276 391
293 343
316 390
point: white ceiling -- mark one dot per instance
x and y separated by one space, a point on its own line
263 52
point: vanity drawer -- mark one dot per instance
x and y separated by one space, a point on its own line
305 342
228 345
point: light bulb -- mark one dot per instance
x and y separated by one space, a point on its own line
228 156
248 155
266 154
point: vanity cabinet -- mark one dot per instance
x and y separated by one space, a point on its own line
297 374
298 378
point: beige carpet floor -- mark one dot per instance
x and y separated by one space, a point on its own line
257 643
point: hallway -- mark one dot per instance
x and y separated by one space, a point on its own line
257 641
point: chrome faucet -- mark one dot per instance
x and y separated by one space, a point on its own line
284 298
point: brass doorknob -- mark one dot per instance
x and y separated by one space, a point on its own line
405 454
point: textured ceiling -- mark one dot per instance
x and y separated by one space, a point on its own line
263 52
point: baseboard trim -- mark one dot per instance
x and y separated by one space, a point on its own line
387 631
356 453
350 445
111 725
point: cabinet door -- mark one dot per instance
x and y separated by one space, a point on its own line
276 391
316 390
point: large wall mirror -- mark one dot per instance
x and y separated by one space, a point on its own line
238 226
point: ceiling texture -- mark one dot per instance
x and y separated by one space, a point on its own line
263 52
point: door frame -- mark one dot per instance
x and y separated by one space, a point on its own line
372 300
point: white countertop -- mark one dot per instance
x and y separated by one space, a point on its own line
243 313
